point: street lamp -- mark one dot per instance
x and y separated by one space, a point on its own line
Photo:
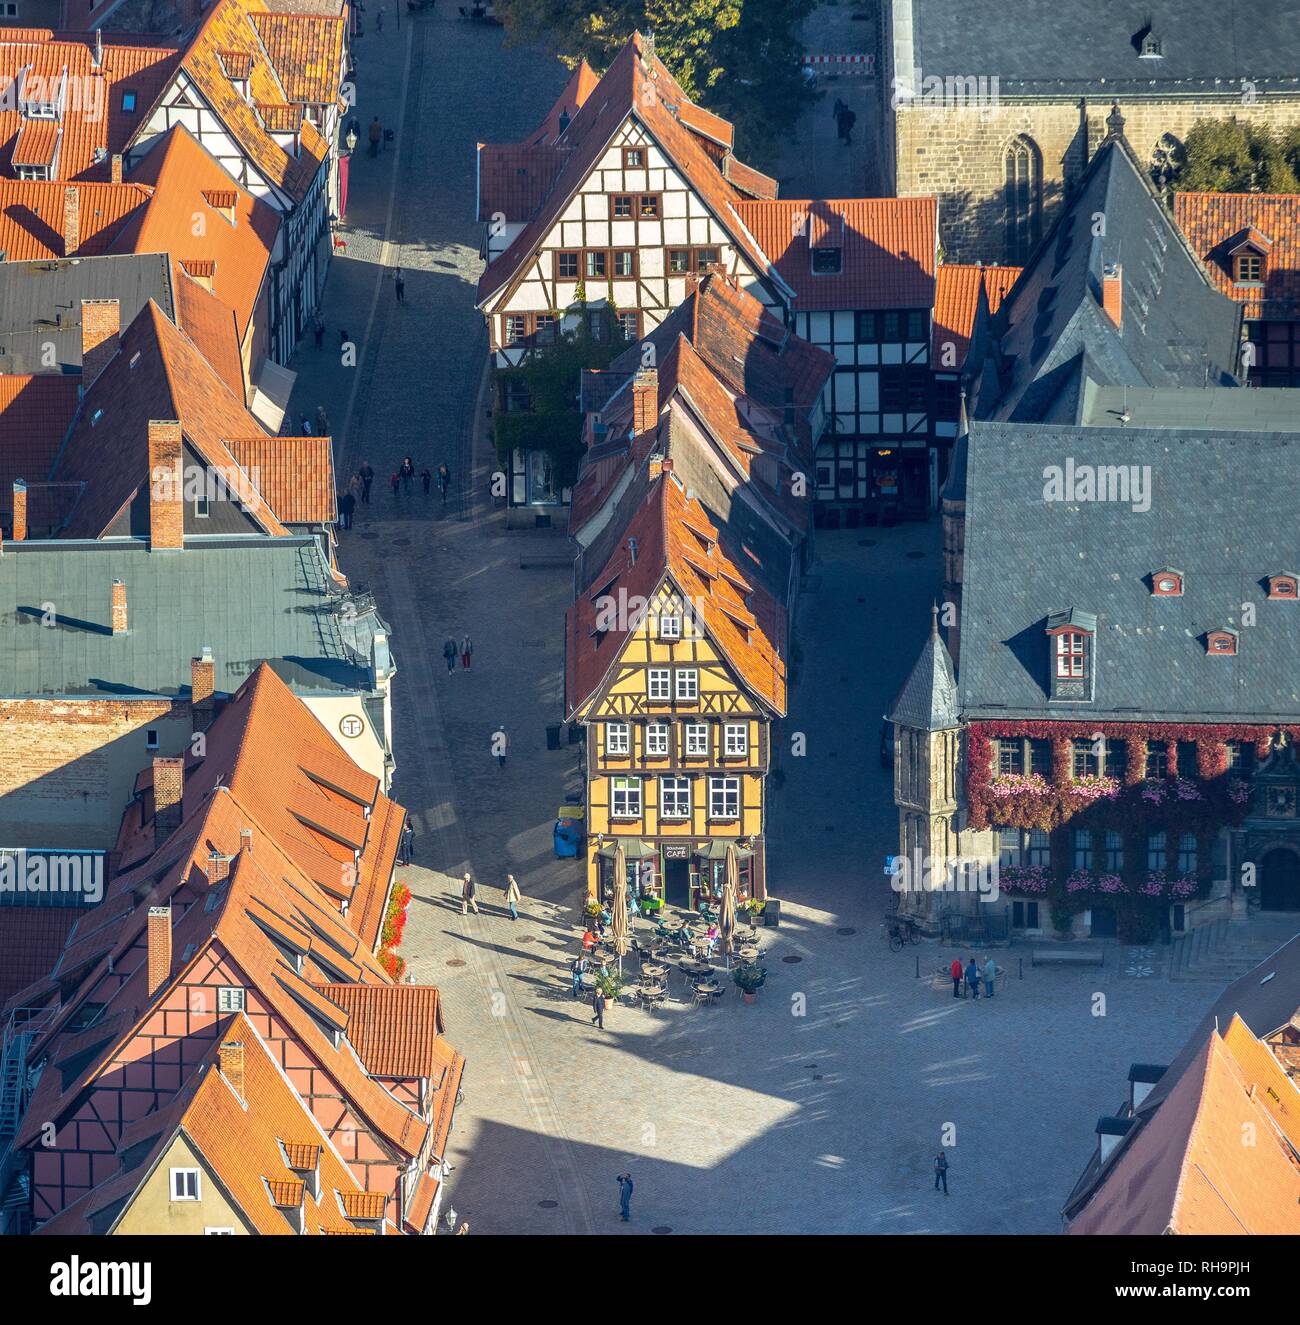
351 138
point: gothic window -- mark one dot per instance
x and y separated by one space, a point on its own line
1023 168
1167 159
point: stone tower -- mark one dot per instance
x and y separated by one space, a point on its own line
927 744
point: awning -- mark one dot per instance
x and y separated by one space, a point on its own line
633 849
717 850
271 395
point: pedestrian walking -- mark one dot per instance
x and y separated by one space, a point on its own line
449 652
379 21
973 978
318 330
322 422
347 504
399 285
577 969
990 977
426 478
444 480
367 476
356 487
598 1009
839 110
466 652
844 122
512 896
625 1188
503 743
344 338
955 970
395 481
376 135
306 426
941 1172
407 473
467 891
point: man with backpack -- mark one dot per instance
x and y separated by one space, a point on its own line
941 1172
467 891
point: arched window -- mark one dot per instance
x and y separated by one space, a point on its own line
1167 158
1024 198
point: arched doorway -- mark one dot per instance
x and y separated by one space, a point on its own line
1279 880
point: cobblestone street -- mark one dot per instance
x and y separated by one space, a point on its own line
731 1118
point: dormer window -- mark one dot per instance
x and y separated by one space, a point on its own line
1222 642
1247 257
827 261
1071 637
1248 268
1285 585
1167 583
1151 48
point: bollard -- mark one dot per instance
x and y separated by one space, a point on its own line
1021 960
918 968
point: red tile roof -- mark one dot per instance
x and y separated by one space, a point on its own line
514 178
37 143
35 412
31 938
142 65
395 1033
211 325
1215 223
294 474
31 217
959 291
306 51
636 85
747 179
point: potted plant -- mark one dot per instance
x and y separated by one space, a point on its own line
651 905
591 908
609 984
750 980
754 906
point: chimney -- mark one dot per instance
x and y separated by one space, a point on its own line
246 840
20 510
218 867
656 467
645 400
203 684
115 167
1112 292
71 221
120 619
166 513
231 1057
160 947
101 323
168 788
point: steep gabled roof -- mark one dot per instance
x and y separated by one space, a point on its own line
295 474
962 295
636 86
888 248
35 412
928 699
306 51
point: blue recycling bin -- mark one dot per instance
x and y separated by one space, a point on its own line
568 838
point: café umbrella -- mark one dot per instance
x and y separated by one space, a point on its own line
620 925
727 920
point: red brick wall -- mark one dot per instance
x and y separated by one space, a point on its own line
166 511
101 320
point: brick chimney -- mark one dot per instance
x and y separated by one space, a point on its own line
166 482
115 167
20 510
1112 292
203 684
168 787
645 400
101 323
120 618
218 867
71 221
160 947
231 1056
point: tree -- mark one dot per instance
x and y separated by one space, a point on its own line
740 59
1231 156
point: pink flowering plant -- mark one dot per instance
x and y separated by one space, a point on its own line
1031 880
1085 881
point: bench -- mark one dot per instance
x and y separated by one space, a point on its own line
1068 954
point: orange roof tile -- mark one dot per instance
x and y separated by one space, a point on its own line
295 474
394 1032
958 292
888 247
307 52
97 124
285 1192
363 1205
211 325
301 1154
37 143
417 1216
1215 223
31 217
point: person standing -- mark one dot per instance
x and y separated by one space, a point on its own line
367 478
941 1172
322 422
503 744
376 135
577 969
426 479
407 472
956 972
395 482
356 487
467 891
990 977
466 652
399 285
379 22
598 1008
625 1189
347 504
306 426
318 330
449 652
512 896
444 480
973 978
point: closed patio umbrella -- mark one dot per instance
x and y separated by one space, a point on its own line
727 921
620 924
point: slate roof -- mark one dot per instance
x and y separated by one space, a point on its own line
42 303
1043 48
1259 409
1026 558
928 699
1216 222
888 247
177 603
1176 329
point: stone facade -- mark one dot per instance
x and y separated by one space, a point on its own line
960 154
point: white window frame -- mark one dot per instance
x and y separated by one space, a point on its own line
631 791
686 685
735 738
724 791
657 740
230 998
1069 655
670 626
676 791
658 685
694 747
618 738
183 1175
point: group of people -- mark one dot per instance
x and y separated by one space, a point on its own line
969 976
469 895
403 478
357 492
464 651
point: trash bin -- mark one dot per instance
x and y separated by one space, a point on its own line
772 912
553 736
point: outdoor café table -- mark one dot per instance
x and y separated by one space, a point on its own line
671 923
749 954
652 972
651 989
697 969
709 988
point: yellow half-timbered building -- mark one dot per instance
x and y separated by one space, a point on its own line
675 665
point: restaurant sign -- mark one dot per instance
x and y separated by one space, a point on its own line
677 851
